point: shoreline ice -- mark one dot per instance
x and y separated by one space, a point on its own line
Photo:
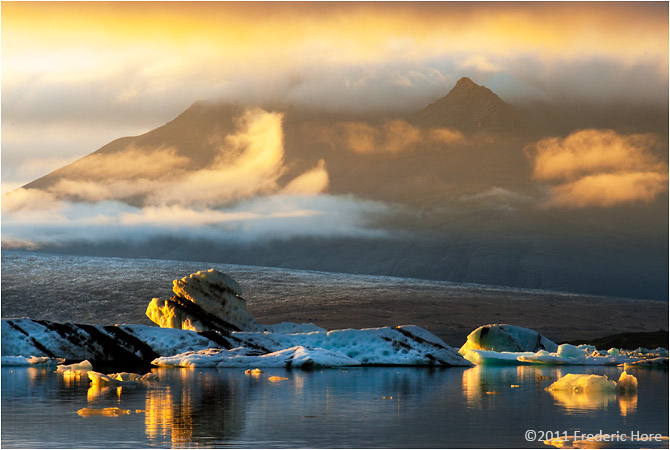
206 324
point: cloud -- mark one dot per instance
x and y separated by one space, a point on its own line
249 162
391 136
479 63
129 69
314 181
593 151
134 194
273 217
130 163
599 168
609 189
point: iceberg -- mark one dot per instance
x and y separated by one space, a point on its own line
106 412
30 360
207 324
658 363
119 379
507 338
490 346
403 345
294 357
212 301
583 384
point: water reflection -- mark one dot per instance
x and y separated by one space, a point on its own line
583 401
356 407
190 407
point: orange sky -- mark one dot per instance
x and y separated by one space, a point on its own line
100 70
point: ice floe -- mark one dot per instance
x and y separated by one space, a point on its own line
405 345
660 363
119 379
594 384
579 383
507 338
207 324
30 360
106 412
566 354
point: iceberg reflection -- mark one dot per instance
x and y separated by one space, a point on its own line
203 406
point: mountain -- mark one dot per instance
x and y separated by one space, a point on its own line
470 108
465 208
195 134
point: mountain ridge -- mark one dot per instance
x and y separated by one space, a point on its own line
470 108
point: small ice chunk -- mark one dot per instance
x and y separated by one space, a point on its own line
489 358
76 368
571 351
30 360
627 384
108 412
507 338
583 384
275 378
100 379
659 363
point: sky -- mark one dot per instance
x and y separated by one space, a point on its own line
78 75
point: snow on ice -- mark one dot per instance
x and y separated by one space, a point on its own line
207 324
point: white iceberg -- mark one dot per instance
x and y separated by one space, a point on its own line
656 363
627 384
206 324
583 384
119 379
594 384
30 361
507 338
404 345
294 357
78 368
491 358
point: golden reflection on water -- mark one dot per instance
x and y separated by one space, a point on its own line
482 384
583 401
189 407
627 404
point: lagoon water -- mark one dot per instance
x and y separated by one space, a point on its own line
350 408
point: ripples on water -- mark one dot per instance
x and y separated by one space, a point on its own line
355 407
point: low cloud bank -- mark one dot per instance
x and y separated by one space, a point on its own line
600 168
139 193
278 216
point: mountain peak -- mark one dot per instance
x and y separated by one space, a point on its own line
470 108
465 82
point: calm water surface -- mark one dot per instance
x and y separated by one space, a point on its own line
355 407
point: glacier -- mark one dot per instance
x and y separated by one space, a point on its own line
206 324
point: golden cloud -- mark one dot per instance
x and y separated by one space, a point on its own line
392 136
599 168
592 151
128 164
610 189
312 182
249 163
